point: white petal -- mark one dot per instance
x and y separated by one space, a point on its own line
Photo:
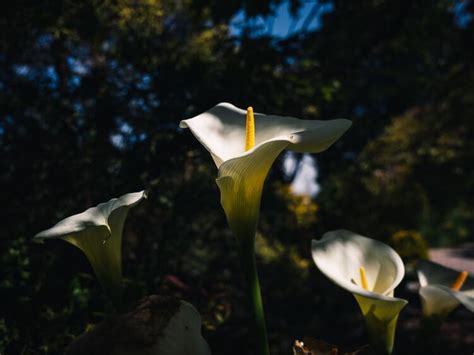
240 181
182 335
93 217
466 298
340 254
222 131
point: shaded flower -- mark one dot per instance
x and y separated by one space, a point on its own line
370 270
443 289
98 233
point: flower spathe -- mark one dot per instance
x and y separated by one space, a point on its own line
438 296
98 233
241 173
350 261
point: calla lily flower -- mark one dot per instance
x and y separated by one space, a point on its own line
244 146
244 150
98 233
443 289
370 270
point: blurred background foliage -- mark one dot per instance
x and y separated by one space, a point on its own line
91 93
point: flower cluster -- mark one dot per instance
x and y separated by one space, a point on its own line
244 145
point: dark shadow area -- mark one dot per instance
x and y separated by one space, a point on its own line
91 95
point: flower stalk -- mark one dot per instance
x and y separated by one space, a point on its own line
249 266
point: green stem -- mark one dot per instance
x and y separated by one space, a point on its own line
247 255
113 290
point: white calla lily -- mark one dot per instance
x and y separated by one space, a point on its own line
241 174
244 146
439 293
98 233
370 270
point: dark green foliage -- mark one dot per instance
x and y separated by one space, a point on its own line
91 93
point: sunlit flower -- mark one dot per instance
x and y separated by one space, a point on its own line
98 233
370 270
244 146
443 289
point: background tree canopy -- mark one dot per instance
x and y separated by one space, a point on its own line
91 94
